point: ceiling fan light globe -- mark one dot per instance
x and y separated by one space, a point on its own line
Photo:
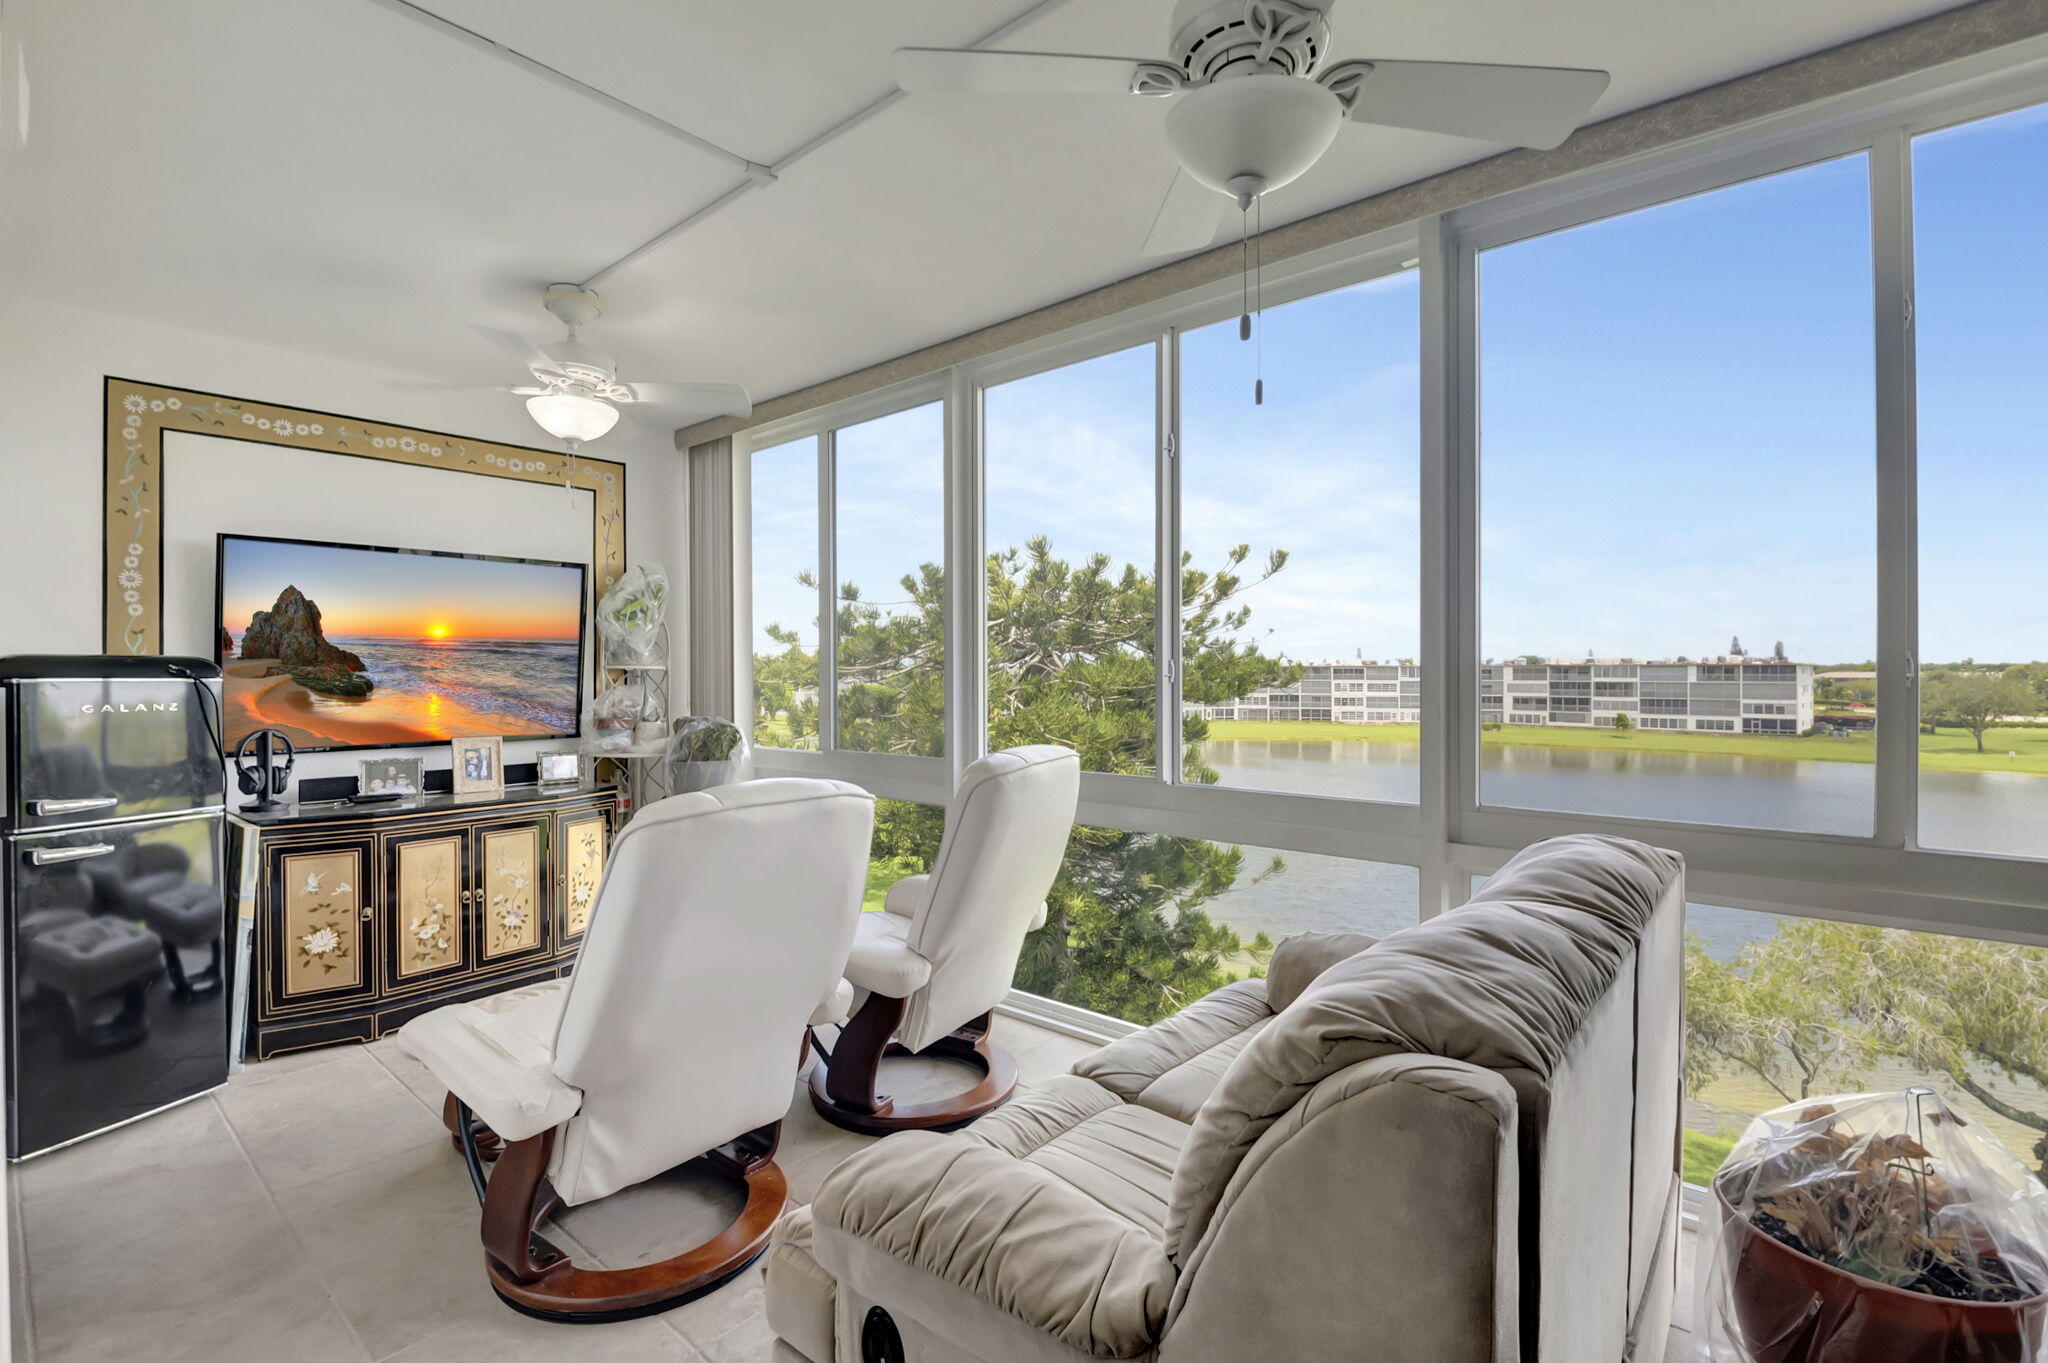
572 416
1267 127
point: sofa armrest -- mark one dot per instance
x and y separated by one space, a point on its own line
906 896
1400 1172
1005 1232
1128 1066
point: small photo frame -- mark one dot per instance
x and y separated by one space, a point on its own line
403 776
560 766
479 765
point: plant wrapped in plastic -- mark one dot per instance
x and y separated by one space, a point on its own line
706 751
612 715
1873 1228
629 616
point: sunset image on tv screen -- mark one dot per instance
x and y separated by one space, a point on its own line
339 646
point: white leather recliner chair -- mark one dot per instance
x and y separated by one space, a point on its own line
724 918
939 958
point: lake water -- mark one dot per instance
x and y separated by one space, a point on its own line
1983 811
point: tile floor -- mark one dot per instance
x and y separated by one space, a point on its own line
314 1210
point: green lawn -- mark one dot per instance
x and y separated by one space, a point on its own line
1703 1155
1948 750
882 873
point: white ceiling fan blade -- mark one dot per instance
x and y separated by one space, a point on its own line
712 399
1188 218
521 349
938 70
1524 106
409 387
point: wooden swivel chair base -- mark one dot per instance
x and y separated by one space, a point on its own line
531 1275
843 1081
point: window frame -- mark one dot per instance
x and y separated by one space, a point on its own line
892 775
1884 878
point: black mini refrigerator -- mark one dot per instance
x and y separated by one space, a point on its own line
117 961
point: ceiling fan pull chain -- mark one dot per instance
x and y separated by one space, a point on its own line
1259 302
1244 311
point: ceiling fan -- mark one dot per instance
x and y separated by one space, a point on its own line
576 393
1257 102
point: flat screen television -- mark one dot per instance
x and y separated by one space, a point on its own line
361 646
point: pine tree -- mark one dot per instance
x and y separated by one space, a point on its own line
1070 657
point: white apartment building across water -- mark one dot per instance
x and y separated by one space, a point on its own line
1713 695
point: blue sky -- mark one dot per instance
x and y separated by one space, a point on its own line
363 593
1677 436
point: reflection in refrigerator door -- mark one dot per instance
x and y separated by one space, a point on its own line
118 981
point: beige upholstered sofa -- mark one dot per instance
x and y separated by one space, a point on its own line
1455 1145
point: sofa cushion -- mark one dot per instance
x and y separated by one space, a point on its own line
1127 1067
1504 983
1041 1113
1123 1159
1299 960
1117 1153
1180 1092
1012 1232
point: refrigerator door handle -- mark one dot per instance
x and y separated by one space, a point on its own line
50 856
73 806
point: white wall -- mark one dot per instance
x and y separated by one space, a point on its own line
53 361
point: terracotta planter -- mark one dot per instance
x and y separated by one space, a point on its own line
1792 1309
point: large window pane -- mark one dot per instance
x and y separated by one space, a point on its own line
1300 521
1783 1009
783 514
1072 610
1980 195
1141 925
890 554
1679 520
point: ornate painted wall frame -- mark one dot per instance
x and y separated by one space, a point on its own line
138 414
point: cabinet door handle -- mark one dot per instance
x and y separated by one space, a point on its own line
50 856
74 806
366 912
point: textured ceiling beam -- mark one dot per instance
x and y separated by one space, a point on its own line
831 134
469 37
1953 35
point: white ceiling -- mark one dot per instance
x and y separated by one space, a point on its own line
329 176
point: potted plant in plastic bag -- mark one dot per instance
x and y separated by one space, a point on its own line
629 616
1878 1228
706 751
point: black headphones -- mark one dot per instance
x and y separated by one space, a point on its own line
255 772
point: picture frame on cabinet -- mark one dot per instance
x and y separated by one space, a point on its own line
478 765
559 766
383 776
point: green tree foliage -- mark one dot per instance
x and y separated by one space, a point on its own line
1809 1008
1766 1015
1975 700
1956 1006
1070 652
1622 722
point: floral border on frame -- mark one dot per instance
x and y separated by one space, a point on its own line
138 414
